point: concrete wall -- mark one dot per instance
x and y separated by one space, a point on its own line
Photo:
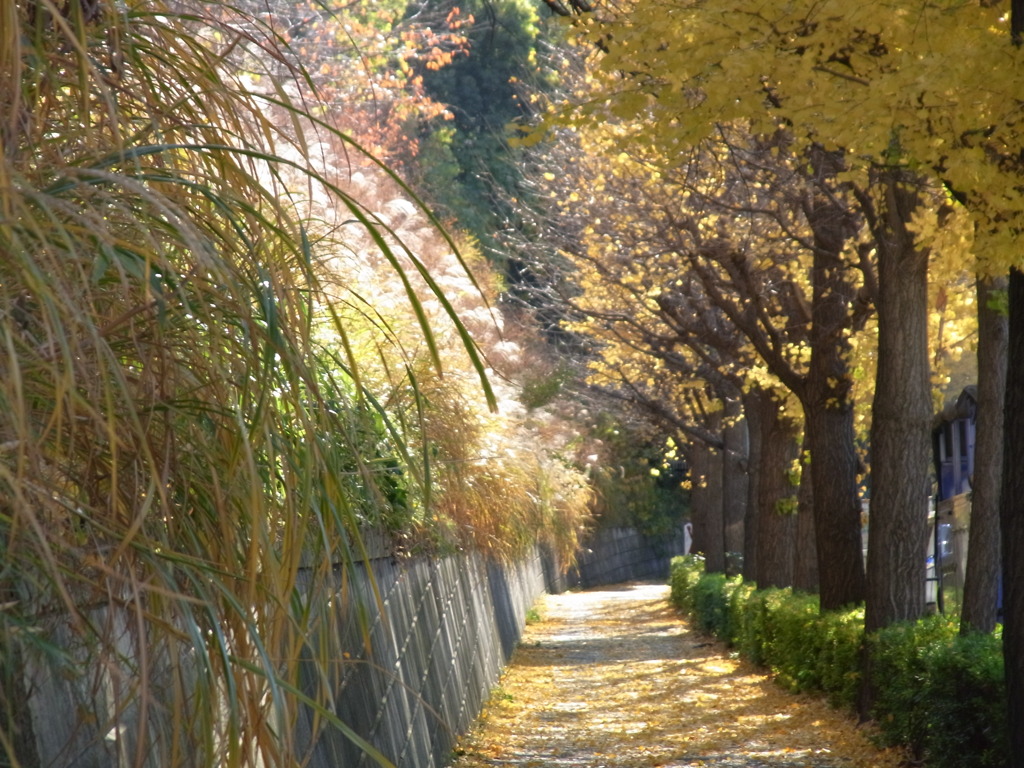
616 555
446 630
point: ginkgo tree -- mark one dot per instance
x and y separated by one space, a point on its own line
727 234
905 94
808 66
592 306
661 279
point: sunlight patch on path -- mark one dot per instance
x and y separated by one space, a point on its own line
614 678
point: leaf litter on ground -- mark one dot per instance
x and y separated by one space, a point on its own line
616 678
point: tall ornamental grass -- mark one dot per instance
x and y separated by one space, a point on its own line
185 457
497 476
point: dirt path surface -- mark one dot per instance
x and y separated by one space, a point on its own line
615 677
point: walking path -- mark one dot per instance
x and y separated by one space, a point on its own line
615 678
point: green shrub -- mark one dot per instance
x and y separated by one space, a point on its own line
709 603
684 573
965 699
940 694
757 628
792 652
711 599
748 612
741 595
899 671
839 636
733 589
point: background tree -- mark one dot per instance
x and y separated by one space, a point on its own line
366 63
637 482
470 169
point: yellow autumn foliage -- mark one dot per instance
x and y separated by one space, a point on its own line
935 86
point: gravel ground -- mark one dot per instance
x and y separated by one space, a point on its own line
615 678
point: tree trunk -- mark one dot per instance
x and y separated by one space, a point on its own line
827 397
776 522
714 541
706 503
981 580
734 482
901 417
698 463
1012 522
752 414
805 558
837 521
1011 505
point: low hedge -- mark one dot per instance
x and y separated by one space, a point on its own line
941 693
938 693
683 577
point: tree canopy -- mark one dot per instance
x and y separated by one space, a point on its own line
885 83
